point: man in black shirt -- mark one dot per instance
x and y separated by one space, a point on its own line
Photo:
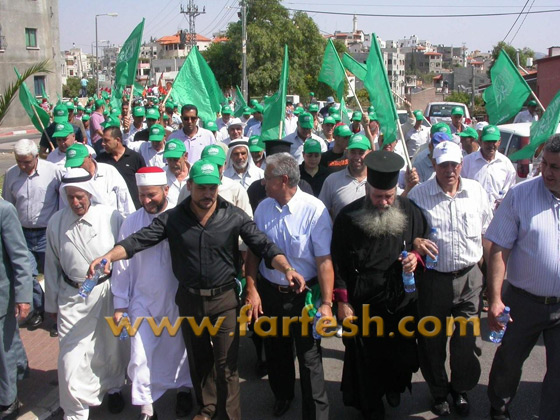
335 159
152 117
126 161
310 170
203 233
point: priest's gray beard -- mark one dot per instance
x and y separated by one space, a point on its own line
375 223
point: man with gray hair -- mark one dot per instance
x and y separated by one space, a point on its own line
300 225
32 187
525 233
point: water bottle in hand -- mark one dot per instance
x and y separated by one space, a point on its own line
408 278
499 200
431 263
503 318
124 333
88 284
315 333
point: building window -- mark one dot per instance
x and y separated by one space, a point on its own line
168 68
31 37
156 69
39 85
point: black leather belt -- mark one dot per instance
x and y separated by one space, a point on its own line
458 273
286 289
547 300
34 229
210 292
77 285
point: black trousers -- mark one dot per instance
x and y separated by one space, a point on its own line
280 355
213 358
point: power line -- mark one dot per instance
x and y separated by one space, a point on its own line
522 22
225 10
518 16
408 6
420 16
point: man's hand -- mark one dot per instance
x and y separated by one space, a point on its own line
494 311
425 247
412 178
126 124
296 280
119 312
22 310
409 263
94 263
345 310
253 298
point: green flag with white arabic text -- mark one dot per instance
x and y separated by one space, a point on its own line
508 92
127 60
332 70
275 106
239 103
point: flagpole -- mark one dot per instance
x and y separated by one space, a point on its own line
407 158
167 96
404 99
280 128
43 127
537 99
353 91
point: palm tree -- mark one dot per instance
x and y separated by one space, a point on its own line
9 94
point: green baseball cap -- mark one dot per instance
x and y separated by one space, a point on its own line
139 111
204 172
157 133
99 102
373 116
247 110
490 133
299 110
85 117
226 110
311 146
469 132
70 106
165 117
532 102
169 105
305 120
174 149
88 111
63 130
211 125
440 127
418 115
75 155
116 112
458 110
80 108
357 116
334 110
337 117
256 144
329 120
152 114
357 141
313 107
253 102
342 131
370 108
156 101
258 108
112 121
106 113
60 113
214 153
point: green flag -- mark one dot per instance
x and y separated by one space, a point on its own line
127 60
344 112
138 89
332 70
541 130
239 103
508 92
116 97
275 107
196 84
31 107
355 67
380 95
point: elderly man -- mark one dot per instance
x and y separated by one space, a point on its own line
110 187
234 131
300 224
156 363
195 138
469 140
458 208
203 233
32 187
302 133
75 236
529 114
524 235
423 159
152 151
240 166
494 171
177 170
368 238
65 137
335 159
15 299
343 187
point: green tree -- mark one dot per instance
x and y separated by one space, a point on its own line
269 27
461 97
72 87
512 52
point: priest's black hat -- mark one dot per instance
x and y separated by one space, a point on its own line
383 169
277 146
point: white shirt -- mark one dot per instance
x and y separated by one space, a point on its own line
222 134
296 148
151 156
34 196
302 229
416 138
290 125
341 189
255 129
59 158
175 188
495 176
194 144
460 221
129 137
525 116
251 174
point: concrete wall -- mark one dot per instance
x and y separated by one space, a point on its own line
548 79
15 16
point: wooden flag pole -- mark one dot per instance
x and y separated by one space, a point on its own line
280 127
353 92
167 96
43 127
537 99
404 99
407 158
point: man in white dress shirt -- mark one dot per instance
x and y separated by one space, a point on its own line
152 150
303 132
177 169
529 114
65 137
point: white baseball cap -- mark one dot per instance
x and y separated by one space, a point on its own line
480 125
447 151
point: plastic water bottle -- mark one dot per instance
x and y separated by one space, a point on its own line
124 333
315 333
496 336
431 263
88 285
499 200
408 278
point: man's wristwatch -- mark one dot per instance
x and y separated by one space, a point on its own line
289 269
329 304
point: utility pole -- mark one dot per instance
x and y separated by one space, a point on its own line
192 12
244 82
473 89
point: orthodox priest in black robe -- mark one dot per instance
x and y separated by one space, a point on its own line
369 236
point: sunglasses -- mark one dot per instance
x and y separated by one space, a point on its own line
190 118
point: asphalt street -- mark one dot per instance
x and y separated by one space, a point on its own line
6 148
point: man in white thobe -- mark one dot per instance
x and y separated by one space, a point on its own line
91 361
240 166
145 286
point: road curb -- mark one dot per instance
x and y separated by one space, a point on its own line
44 409
18 133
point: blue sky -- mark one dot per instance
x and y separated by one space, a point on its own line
536 31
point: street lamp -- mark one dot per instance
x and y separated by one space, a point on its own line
97 51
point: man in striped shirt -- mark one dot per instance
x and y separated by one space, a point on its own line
525 236
458 208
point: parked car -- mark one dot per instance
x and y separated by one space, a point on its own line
441 111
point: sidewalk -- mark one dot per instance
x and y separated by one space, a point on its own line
17 131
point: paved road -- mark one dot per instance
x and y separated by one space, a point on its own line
257 398
6 148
